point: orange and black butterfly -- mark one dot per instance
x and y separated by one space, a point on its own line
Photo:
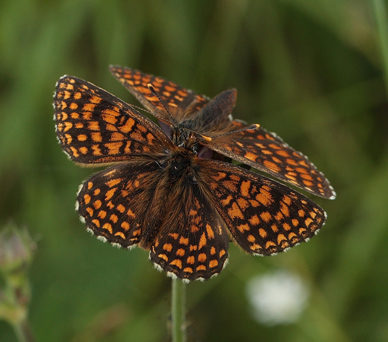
164 193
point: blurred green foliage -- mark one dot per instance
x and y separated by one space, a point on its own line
311 71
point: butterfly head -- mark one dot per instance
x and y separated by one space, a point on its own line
185 138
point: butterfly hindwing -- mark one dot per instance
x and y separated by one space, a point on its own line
114 203
263 216
132 204
192 242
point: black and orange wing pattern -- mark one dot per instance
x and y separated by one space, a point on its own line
192 242
181 102
114 203
263 216
267 152
258 148
95 127
132 204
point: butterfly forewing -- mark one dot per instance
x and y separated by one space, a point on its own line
267 152
263 216
94 126
215 116
181 102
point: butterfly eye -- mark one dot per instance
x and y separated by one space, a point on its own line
195 149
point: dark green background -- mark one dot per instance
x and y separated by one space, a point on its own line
311 71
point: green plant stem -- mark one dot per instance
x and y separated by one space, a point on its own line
23 332
380 10
178 308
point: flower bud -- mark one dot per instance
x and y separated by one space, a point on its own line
16 250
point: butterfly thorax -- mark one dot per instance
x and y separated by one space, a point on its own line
180 166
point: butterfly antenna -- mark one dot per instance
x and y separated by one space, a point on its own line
253 127
153 91
141 109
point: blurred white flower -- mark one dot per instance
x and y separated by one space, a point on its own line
277 298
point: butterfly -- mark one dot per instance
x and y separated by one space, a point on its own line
170 188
